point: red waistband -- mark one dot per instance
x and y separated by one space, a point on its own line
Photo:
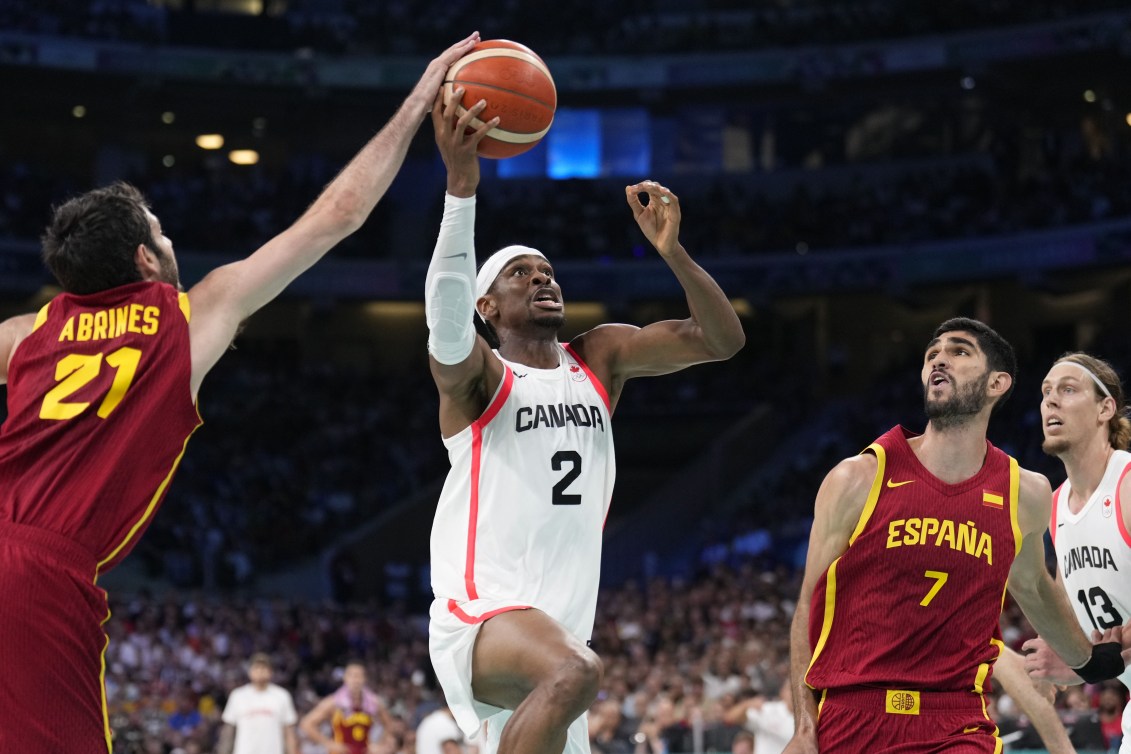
51 546
928 701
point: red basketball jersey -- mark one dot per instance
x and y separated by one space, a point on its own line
99 413
915 600
352 729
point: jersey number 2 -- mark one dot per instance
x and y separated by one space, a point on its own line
76 370
559 459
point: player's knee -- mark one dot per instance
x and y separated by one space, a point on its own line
579 679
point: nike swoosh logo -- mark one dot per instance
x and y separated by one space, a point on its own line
899 484
1059 525
972 729
456 256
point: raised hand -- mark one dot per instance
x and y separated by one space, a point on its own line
434 73
660 218
458 147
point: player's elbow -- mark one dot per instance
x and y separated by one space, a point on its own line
726 344
340 212
735 341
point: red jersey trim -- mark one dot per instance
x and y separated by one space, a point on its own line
592 377
1119 507
477 426
1014 495
153 501
456 610
1056 505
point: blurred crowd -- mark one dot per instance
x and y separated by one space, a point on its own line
579 28
693 665
1023 175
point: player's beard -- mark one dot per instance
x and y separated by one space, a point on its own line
965 404
553 321
169 272
1054 446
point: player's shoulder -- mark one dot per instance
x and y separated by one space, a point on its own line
855 472
602 337
847 487
600 347
1033 485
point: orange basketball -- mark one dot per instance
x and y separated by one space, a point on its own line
518 88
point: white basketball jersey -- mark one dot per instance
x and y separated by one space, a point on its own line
521 515
1093 551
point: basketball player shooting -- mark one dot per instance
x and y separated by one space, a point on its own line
516 542
102 387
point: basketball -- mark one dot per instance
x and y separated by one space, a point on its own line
518 88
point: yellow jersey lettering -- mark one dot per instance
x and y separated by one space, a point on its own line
893 534
104 324
135 315
966 537
911 537
985 545
99 325
946 533
961 537
149 316
123 320
68 331
86 326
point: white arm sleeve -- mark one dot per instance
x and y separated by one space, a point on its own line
448 299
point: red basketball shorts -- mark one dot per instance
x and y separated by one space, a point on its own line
880 721
51 644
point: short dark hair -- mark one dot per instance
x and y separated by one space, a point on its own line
90 244
999 353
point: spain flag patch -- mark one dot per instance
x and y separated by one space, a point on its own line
992 499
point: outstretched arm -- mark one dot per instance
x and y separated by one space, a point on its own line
229 294
465 370
713 332
840 502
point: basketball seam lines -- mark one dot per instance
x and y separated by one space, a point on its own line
546 105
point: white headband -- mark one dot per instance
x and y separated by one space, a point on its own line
1095 379
495 264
